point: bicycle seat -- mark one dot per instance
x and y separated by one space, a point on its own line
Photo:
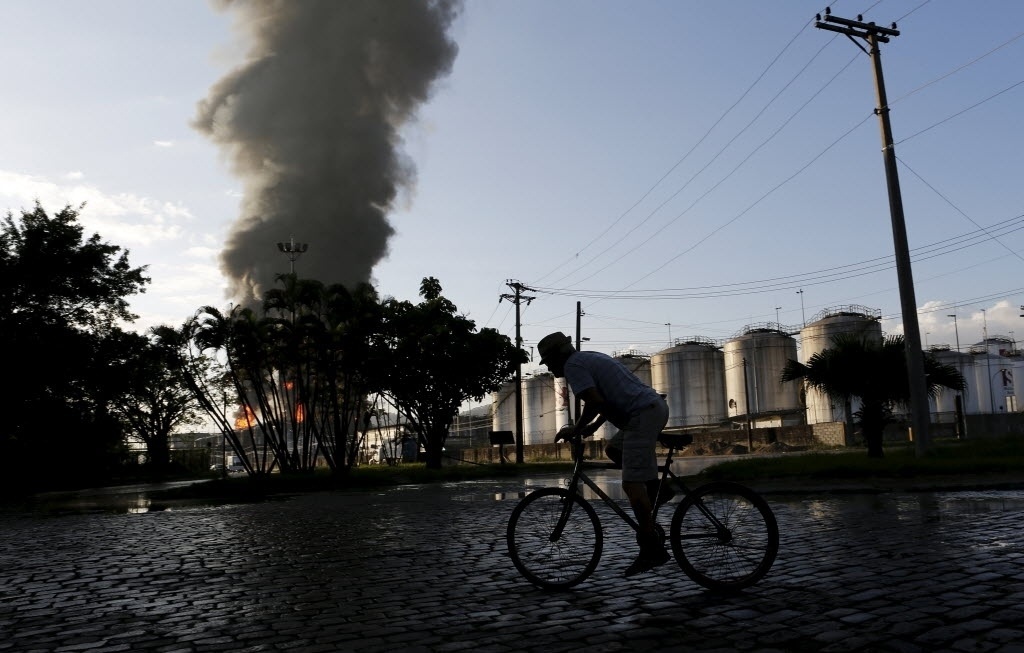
675 440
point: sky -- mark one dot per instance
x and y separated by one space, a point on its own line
679 168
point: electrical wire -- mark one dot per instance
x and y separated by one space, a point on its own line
955 70
816 277
957 208
961 112
685 156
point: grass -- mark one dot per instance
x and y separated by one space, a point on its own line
949 458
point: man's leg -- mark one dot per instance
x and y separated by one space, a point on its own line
640 465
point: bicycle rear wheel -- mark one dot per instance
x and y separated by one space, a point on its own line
554 562
724 536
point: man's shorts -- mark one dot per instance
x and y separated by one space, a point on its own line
638 442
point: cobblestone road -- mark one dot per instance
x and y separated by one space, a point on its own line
425 569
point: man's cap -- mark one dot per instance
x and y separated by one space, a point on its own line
552 344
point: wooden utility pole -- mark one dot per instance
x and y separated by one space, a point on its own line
873 35
579 341
746 397
518 298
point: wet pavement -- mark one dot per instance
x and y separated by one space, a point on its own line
424 568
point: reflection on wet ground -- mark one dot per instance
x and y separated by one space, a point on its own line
131 499
916 506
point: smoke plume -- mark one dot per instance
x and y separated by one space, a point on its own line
310 123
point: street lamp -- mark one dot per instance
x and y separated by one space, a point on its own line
988 360
777 315
293 251
802 315
955 330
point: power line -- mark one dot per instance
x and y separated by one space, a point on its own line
955 70
685 156
961 112
958 209
817 277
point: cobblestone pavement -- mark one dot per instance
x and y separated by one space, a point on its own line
426 569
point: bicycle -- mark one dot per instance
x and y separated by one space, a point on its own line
724 535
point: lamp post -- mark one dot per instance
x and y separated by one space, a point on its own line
955 330
669 325
293 251
803 317
988 360
777 315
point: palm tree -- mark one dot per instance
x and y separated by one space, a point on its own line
874 372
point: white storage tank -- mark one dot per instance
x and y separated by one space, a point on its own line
944 400
692 376
1018 388
539 409
504 408
639 364
993 381
766 350
564 403
818 336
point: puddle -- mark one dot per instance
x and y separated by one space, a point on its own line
120 499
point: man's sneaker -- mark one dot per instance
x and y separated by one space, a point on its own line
648 560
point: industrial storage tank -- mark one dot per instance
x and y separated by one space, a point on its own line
565 409
692 376
944 400
818 335
995 358
639 364
993 381
1019 387
766 349
504 411
538 409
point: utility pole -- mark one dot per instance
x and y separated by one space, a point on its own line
577 408
746 397
873 35
518 298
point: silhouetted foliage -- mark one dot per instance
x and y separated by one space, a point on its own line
61 296
151 398
431 360
874 371
288 388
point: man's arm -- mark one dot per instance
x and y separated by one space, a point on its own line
593 408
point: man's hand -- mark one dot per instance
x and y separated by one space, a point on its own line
591 429
564 433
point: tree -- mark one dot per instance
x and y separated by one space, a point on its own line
61 296
297 374
856 366
152 397
431 360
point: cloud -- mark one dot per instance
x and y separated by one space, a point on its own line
122 218
75 175
164 143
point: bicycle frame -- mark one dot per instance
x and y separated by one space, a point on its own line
578 474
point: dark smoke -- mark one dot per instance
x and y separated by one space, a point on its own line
311 121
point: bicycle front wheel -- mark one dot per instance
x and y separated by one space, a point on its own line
724 536
548 559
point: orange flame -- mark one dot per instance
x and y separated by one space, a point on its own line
245 419
300 413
